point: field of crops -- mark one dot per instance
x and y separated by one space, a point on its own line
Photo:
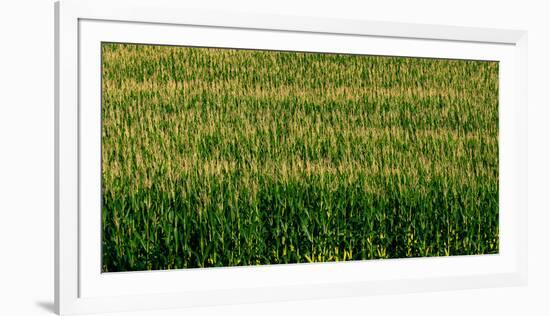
224 157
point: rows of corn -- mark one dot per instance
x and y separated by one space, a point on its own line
224 157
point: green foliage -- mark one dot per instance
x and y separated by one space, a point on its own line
223 157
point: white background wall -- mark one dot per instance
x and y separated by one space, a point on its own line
26 157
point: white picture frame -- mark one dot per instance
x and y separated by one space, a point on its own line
81 26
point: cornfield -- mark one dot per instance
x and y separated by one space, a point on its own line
229 157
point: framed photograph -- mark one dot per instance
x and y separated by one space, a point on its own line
208 157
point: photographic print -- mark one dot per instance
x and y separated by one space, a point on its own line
220 157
